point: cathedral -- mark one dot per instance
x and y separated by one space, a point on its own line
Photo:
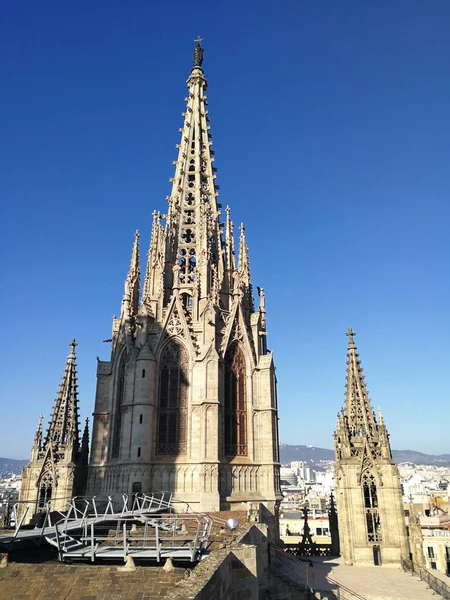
367 482
57 470
187 401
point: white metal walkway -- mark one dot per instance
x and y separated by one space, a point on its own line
79 532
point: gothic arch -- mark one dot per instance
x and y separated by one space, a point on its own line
173 398
235 402
369 487
45 487
371 505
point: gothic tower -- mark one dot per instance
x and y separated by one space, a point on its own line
187 402
57 470
368 493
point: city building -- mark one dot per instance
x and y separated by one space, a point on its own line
368 491
292 523
429 537
303 471
57 470
436 549
187 401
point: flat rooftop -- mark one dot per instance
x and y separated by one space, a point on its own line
372 583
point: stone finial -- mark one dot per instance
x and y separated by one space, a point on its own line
168 566
129 564
3 561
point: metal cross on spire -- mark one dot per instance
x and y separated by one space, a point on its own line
350 334
73 344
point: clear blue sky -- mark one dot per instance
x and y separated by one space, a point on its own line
331 127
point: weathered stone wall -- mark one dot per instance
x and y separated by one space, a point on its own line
239 571
52 580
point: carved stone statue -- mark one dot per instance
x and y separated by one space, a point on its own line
262 298
198 54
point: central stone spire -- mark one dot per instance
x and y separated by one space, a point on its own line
187 401
193 248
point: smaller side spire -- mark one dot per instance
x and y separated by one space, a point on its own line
155 262
37 443
130 301
63 427
244 272
230 261
85 442
244 263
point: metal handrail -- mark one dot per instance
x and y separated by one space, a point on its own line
84 513
157 541
437 585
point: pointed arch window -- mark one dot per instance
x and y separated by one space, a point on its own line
235 403
120 398
45 491
370 497
173 400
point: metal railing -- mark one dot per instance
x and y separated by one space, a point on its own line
302 574
438 586
157 535
77 526
80 509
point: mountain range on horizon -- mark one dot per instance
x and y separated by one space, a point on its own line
10 466
288 453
